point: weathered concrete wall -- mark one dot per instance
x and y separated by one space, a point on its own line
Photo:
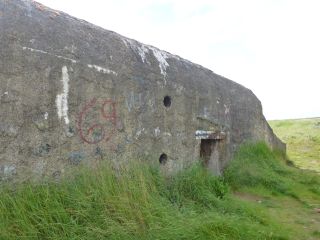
72 92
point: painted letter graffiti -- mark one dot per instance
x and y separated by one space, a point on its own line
97 121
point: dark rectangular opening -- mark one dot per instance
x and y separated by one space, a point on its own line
206 148
210 153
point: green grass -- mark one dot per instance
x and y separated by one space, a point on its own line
138 202
256 166
303 140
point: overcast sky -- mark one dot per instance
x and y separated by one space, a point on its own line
269 46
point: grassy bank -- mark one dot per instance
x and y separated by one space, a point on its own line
303 140
137 202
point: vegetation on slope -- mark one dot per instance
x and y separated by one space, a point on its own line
138 202
302 137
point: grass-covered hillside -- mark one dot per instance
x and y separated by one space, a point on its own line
303 141
260 197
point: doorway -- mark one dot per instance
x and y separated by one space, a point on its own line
209 153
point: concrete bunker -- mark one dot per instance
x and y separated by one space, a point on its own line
88 94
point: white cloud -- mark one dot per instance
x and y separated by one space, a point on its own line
269 46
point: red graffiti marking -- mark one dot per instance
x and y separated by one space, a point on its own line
97 121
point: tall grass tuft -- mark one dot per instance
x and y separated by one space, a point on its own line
255 165
136 201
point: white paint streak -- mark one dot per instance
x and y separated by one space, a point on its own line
138 48
138 133
227 109
102 70
4 94
167 134
124 40
161 56
157 132
201 134
62 99
47 53
143 50
95 67
34 50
